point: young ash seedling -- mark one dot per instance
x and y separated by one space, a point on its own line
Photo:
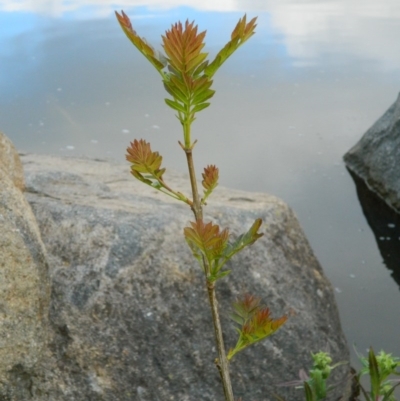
187 77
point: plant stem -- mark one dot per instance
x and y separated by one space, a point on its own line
221 361
196 207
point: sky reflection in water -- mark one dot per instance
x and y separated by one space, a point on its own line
288 105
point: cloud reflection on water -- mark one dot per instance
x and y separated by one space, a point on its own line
309 30
366 29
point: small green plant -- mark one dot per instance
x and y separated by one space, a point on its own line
379 367
315 387
315 382
187 77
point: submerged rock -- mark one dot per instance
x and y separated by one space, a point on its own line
385 224
375 158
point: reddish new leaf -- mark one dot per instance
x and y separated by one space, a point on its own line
245 308
207 238
210 178
262 325
188 79
183 47
244 240
143 159
242 32
255 322
154 57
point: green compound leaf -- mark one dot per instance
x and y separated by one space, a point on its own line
199 107
186 72
157 59
240 243
175 105
206 239
195 62
244 240
229 250
261 325
146 167
178 82
200 85
143 159
217 276
242 32
200 68
183 47
203 96
245 308
140 177
176 92
255 323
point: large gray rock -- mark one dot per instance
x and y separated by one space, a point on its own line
375 158
24 283
10 162
129 315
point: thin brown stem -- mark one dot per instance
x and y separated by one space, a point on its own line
221 361
196 207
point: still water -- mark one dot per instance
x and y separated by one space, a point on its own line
289 104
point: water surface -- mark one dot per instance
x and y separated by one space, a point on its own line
288 105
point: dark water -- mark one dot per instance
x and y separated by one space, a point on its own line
288 105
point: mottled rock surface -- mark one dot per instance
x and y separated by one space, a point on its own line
24 283
376 157
129 317
10 162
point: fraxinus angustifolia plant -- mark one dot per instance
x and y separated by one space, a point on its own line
187 77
